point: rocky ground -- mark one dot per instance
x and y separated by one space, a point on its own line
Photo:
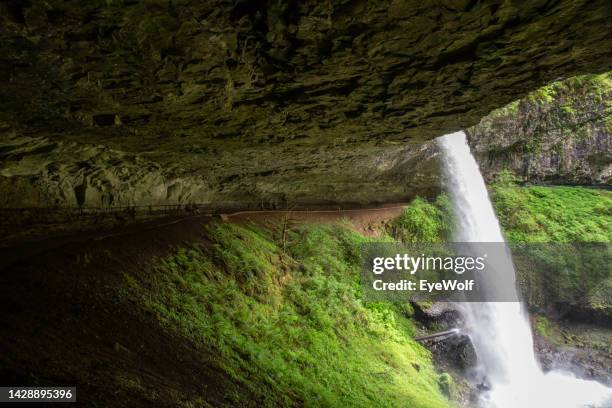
574 346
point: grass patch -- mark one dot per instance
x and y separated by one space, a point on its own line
553 214
577 273
290 324
423 221
574 273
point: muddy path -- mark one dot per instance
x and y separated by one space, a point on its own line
364 220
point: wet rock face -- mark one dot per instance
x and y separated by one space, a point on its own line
560 134
577 347
264 101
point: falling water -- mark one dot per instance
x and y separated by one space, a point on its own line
500 331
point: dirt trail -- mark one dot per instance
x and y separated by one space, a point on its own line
364 220
367 221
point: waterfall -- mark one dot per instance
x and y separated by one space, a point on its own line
500 331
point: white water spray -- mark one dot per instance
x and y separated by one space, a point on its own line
500 331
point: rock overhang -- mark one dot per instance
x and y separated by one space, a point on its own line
265 102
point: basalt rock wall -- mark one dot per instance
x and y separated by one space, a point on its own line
560 134
122 102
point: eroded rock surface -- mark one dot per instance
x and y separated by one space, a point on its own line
127 102
560 134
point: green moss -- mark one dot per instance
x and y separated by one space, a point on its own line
599 86
546 94
447 385
283 314
533 145
547 329
608 123
568 109
509 110
542 326
567 215
553 214
423 222
572 273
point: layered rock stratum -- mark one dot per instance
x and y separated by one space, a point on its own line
266 103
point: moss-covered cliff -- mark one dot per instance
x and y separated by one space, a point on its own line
561 133
126 102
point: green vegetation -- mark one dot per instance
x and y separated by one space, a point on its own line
542 95
575 269
575 222
282 310
552 214
562 116
510 109
527 214
447 385
565 100
543 326
547 329
599 85
423 222
562 93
